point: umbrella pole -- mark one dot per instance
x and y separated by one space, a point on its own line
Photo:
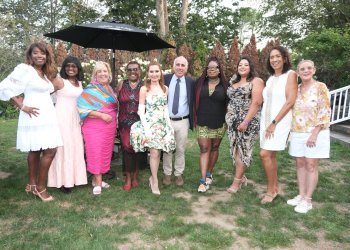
113 70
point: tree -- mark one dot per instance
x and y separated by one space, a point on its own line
330 50
103 55
77 51
61 53
91 54
184 11
200 57
187 52
292 20
135 12
250 51
162 14
233 58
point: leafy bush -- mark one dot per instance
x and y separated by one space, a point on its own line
7 110
330 50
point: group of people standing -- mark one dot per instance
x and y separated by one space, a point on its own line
155 115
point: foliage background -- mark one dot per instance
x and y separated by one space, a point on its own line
311 29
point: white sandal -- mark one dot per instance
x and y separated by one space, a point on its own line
97 190
104 184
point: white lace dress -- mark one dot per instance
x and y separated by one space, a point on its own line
36 132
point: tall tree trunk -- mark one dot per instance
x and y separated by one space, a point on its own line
162 14
166 16
184 11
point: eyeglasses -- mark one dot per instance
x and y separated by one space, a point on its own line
73 66
213 68
133 69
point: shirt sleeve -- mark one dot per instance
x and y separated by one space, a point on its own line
15 83
324 106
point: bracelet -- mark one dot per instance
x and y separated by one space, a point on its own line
23 106
245 122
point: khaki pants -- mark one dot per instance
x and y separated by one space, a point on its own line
181 132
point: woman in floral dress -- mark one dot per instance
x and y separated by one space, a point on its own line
153 131
243 119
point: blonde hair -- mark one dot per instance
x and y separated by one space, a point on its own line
304 61
99 65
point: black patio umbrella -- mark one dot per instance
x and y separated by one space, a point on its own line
111 35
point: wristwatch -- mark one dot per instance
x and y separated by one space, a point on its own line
274 122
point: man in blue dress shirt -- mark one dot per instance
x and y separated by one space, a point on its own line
180 105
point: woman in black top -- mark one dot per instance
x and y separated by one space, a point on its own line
210 108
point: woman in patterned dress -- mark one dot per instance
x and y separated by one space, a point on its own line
310 139
243 118
276 115
209 118
128 96
153 131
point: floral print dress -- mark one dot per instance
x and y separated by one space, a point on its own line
162 133
237 109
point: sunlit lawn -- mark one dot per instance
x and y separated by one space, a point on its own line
180 218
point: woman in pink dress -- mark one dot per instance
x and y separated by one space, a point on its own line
68 167
98 109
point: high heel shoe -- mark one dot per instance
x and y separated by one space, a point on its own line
37 193
268 198
242 181
30 188
153 189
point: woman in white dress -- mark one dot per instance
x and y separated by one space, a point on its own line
38 132
68 168
276 115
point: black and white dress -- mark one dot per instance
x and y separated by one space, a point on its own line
237 109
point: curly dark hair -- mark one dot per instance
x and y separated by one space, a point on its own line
74 60
49 67
252 72
287 65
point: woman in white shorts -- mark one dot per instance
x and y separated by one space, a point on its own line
310 138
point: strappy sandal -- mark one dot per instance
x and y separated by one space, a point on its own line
268 198
37 193
242 181
30 188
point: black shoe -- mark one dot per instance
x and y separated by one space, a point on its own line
65 190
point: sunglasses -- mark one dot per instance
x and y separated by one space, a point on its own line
133 69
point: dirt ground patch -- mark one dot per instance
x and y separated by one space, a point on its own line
4 175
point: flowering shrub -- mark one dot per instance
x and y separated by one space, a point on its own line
88 68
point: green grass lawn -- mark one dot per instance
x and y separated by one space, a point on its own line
180 218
